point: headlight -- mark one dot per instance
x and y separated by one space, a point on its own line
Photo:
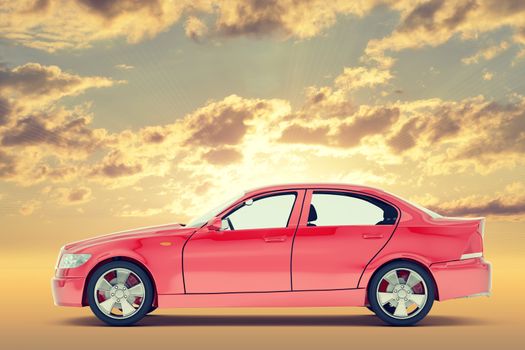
69 261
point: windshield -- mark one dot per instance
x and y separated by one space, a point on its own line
204 218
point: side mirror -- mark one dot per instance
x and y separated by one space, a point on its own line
214 224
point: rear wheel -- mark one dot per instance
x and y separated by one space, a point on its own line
401 293
120 293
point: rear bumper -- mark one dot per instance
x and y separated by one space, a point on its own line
462 278
67 291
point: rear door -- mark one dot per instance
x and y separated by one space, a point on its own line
338 234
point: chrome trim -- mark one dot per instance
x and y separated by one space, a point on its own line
471 256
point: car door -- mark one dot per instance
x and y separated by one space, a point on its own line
338 234
252 251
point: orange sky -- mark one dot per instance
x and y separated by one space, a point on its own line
135 113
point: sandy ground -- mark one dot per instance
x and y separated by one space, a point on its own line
31 321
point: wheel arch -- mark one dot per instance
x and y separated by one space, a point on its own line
119 258
414 261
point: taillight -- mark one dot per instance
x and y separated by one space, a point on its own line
481 227
474 248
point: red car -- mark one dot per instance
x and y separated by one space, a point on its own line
303 245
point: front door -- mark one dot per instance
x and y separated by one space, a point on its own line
339 233
252 251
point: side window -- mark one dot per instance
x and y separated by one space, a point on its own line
265 212
341 209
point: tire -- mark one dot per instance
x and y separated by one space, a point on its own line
370 308
401 293
124 280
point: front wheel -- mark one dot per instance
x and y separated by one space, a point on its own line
120 293
401 293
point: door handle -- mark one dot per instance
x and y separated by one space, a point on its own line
372 235
274 239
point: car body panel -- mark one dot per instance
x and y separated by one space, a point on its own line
333 257
255 260
345 297
196 267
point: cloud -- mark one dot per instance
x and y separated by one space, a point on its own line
36 81
447 136
33 87
250 141
195 28
68 133
41 24
7 165
226 122
487 53
507 203
37 135
358 77
124 66
305 135
69 196
114 165
370 121
284 18
434 22
487 75
29 207
222 156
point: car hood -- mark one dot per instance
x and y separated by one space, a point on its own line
176 229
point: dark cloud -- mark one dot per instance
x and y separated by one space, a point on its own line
40 6
506 7
300 134
5 110
154 136
112 9
460 14
422 16
7 165
72 134
405 138
29 131
504 132
496 207
120 169
223 156
225 122
114 166
78 194
374 122
254 17
50 82
226 127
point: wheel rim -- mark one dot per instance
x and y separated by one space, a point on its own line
402 293
119 293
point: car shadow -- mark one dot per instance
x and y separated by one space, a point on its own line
250 320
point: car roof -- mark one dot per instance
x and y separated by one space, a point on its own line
290 186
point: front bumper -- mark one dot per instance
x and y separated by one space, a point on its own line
462 278
67 291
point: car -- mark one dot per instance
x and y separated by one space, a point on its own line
300 245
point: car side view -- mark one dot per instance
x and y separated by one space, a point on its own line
301 245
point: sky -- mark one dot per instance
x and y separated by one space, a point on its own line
119 114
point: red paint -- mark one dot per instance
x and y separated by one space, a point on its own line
298 265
